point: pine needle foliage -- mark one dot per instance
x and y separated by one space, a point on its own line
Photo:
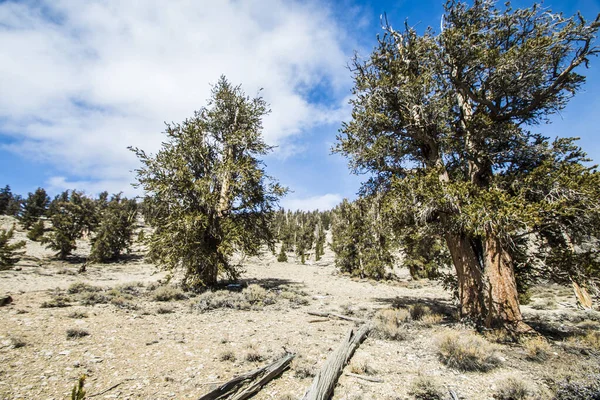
34 207
9 255
115 230
207 194
361 238
443 124
71 214
37 231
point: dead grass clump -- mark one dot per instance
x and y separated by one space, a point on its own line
168 293
254 356
466 351
545 304
581 390
389 324
589 341
418 311
431 319
502 336
123 302
426 388
362 368
82 287
227 355
303 368
253 297
294 298
537 349
76 333
222 299
92 298
512 389
78 315
57 302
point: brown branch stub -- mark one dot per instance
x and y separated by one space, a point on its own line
246 385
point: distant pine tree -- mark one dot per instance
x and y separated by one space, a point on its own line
37 231
114 233
34 207
9 255
71 215
282 257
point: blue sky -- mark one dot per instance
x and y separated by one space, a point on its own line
81 81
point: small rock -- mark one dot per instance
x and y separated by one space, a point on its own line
5 300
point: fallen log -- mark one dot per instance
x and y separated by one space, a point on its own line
338 316
246 385
325 381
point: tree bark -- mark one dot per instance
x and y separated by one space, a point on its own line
502 296
469 273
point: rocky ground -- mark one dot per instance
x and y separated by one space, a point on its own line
134 336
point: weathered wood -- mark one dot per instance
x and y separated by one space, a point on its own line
325 381
453 394
243 386
365 378
583 297
338 316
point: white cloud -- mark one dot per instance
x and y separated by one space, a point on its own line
82 80
325 202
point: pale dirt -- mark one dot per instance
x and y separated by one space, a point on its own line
177 355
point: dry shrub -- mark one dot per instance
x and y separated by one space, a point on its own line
165 310
589 341
389 323
295 298
303 368
227 355
502 336
546 304
82 287
581 390
168 293
57 302
76 333
466 351
426 388
362 368
254 356
537 348
418 311
512 389
253 297
431 319
78 315
91 298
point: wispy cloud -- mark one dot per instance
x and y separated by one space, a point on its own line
83 80
325 202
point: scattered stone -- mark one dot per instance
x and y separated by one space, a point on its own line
5 300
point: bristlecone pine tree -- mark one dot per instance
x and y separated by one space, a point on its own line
114 232
360 238
207 191
443 121
9 255
37 231
34 207
72 214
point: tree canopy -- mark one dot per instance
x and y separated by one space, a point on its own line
443 123
206 189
